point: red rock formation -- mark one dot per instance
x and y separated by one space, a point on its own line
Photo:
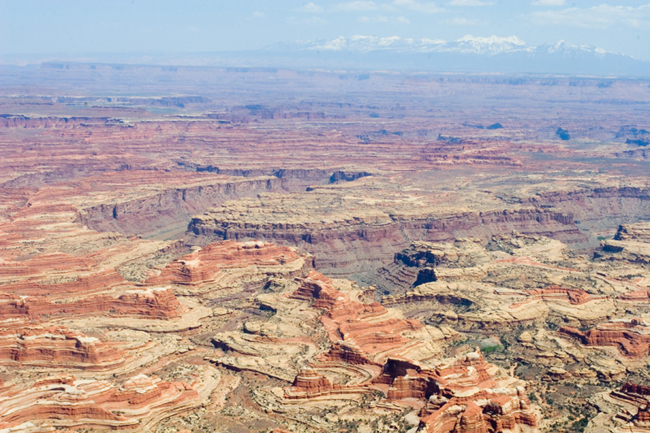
53 264
635 395
404 380
458 398
461 396
346 353
557 293
66 402
634 388
355 322
631 337
151 303
58 347
309 384
206 264
642 295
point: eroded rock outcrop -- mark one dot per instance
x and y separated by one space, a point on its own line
630 244
631 337
634 232
461 396
58 347
218 264
375 330
304 352
171 207
66 402
157 303
623 409
416 265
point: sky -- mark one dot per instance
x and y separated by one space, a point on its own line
80 27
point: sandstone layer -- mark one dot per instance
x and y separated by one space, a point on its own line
115 316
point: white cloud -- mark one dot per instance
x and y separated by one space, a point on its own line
425 7
311 8
377 19
403 20
258 14
469 3
462 22
549 2
354 6
601 16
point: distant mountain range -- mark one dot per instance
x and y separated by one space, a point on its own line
467 54
466 45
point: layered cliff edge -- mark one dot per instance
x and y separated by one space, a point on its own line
357 238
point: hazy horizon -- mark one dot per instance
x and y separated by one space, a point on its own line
73 28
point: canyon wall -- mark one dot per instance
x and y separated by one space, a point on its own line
170 209
346 244
363 244
599 208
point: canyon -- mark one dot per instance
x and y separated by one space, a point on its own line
306 251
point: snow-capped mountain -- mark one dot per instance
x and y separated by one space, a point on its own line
490 45
566 48
360 43
467 54
466 45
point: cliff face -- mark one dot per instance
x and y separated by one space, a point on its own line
484 225
351 244
170 208
292 179
17 121
417 264
362 237
631 244
639 232
630 336
173 207
630 407
599 208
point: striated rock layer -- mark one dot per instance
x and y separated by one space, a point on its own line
631 337
60 348
184 335
366 236
137 404
461 394
212 263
